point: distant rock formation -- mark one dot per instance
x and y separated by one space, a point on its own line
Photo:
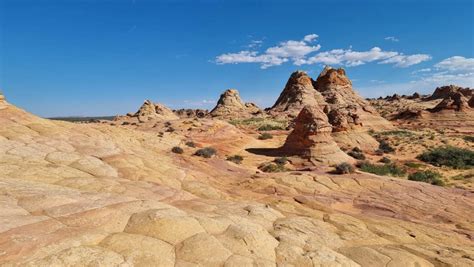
230 105
298 93
346 109
191 113
448 91
454 101
311 138
151 111
471 102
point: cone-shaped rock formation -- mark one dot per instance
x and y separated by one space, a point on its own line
346 109
311 138
151 111
298 93
230 105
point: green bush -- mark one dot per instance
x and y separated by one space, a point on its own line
270 127
385 147
385 160
206 152
402 133
430 177
386 169
468 138
457 158
177 150
237 159
191 144
281 160
272 167
356 153
265 136
414 165
344 168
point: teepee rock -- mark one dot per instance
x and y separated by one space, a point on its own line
230 105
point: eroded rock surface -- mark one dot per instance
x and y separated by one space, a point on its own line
230 105
104 195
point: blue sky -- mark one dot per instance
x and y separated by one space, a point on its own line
71 57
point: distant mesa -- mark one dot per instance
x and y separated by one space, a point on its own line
230 105
311 138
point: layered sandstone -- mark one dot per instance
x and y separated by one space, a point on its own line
454 101
311 138
102 195
346 109
298 93
230 105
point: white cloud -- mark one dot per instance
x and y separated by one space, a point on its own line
310 37
273 56
456 64
421 70
391 38
454 70
255 44
404 61
303 53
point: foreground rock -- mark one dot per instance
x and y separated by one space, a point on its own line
311 138
102 195
230 105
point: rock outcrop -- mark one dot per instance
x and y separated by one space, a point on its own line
448 91
454 101
191 113
298 93
230 105
151 111
311 138
346 109
471 102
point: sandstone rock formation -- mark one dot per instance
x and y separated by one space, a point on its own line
448 91
311 138
101 195
471 102
453 101
346 109
148 112
230 105
298 93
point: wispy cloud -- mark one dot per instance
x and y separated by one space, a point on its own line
391 38
273 56
456 70
302 52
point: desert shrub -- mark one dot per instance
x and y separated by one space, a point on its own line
237 159
272 167
457 158
190 144
344 168
270 127
401 133
414 165
265 136
430 177
167 124
385 169
385 147
177 150
385 160
170 129
356 153
463 176
206 152
468 138
281 160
